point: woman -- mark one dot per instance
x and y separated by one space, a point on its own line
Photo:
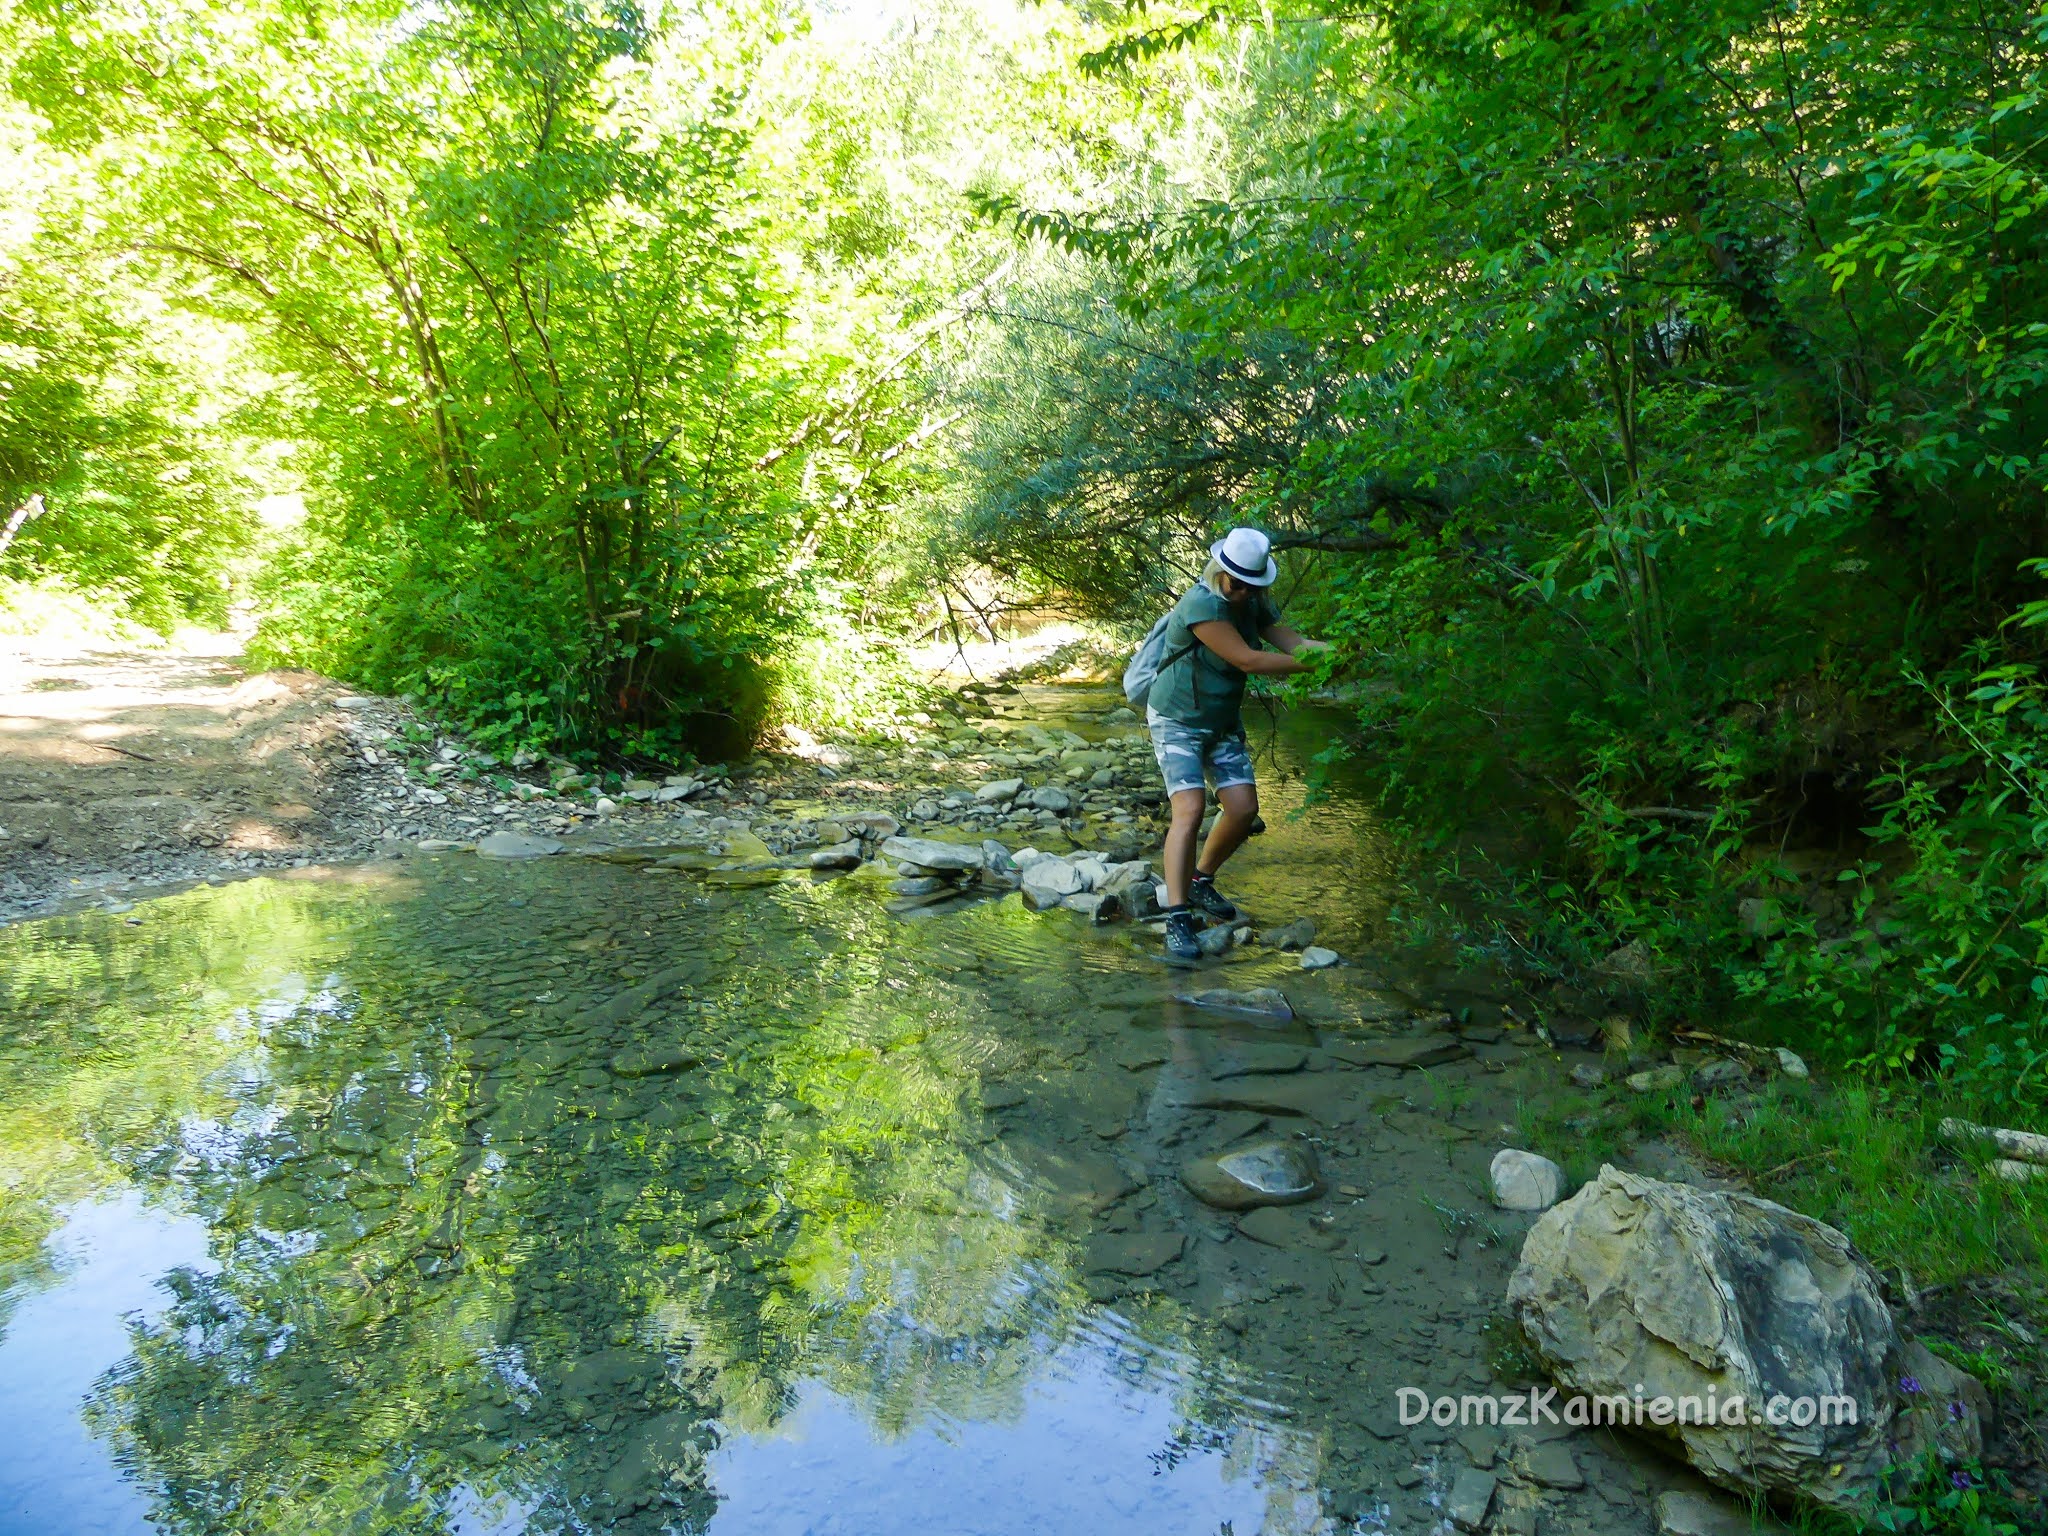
1211 645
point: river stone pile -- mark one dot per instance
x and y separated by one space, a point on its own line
1086 883
1636 1287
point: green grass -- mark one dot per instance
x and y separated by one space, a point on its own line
1861 1158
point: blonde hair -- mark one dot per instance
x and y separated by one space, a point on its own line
1212 577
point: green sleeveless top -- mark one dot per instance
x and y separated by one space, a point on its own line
1201 689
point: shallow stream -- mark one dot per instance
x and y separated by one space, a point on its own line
456 1196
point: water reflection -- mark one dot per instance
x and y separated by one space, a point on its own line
570 1198
103 1267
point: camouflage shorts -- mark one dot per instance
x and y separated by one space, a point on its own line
1187 755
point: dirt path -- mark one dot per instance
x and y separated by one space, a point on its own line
133 768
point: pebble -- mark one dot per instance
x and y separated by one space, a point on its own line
1316 958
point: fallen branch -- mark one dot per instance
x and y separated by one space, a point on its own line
108 746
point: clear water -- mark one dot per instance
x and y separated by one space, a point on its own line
452 1196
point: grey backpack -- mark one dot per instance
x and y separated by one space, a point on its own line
1145 665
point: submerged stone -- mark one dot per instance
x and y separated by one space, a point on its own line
648 1060
1135 1254
1413 1051
1268 1002
516 845
1271 1173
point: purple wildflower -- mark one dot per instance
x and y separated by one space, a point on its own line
1909 1384
1959 1481
1955 1413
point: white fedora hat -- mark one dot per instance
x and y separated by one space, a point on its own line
1248 555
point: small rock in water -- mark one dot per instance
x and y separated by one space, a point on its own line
1271 1173
1138 1254
1523 1181
1298 934
1050 797
1656 1079
1000 792
921 885
1268 1002
1316 958
516 845
995 858
1215 941
606 806
1281 1229
1586 1075
1121 715
925 810
840 856
1096 906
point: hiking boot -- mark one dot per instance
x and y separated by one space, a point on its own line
1181 942
1204 897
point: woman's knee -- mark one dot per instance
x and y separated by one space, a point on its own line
1239 801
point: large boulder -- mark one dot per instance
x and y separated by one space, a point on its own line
1644 1290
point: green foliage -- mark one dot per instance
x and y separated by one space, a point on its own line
111 408
1677 371
1945 1501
